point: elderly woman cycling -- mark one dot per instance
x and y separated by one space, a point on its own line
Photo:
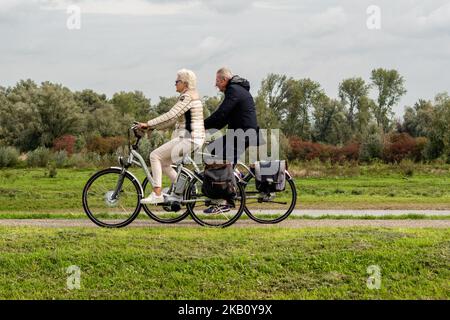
187 114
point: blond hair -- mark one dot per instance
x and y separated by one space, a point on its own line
188 77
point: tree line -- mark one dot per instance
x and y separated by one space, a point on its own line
33 115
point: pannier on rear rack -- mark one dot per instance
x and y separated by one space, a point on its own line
219 181
270 176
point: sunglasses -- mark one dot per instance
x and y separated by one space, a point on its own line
176 82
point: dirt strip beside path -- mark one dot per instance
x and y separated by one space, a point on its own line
290 223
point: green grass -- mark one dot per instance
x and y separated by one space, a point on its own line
198 263
30 190
393 191
235 263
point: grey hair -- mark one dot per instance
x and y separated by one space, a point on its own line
225 73
188 77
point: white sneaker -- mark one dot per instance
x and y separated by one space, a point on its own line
153 199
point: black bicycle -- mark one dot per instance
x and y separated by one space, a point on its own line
267 207
264 207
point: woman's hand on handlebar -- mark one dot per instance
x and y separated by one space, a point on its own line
143 126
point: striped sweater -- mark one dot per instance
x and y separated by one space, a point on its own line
187 114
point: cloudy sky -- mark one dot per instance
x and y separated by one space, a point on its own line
140 44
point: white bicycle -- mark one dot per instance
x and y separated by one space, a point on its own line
112 197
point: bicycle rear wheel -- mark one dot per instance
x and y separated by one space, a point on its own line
102 207
269 208
199 203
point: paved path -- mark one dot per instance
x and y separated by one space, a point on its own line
290 223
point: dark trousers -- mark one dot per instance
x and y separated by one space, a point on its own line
228 148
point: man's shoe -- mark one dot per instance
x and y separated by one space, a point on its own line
153 199
217 209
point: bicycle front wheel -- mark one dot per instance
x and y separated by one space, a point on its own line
108 208
198 203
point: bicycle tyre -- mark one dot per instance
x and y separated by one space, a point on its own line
285 215
85 200
159 219
205 222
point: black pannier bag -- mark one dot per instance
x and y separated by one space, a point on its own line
270 176
219 181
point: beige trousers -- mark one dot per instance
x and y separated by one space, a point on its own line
162 158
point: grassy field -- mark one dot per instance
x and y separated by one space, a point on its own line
369 192
235 263
198 263
32 191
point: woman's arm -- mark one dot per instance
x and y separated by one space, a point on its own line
169 118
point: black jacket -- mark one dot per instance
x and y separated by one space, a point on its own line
237 110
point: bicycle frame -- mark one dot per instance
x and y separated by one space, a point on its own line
135 158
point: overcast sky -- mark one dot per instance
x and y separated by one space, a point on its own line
140 44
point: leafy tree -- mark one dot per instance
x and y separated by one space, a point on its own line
390 86
330 122
164 105
17 116
371 144
353 93
417 120
106 122
267 118
34 116
271 101
89 101
301 98
439 130
57 113
274 92
363 117
24 91
132 103
210 105
5 109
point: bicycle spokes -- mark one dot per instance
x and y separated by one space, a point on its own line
108 206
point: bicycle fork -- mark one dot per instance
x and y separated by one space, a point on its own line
115 195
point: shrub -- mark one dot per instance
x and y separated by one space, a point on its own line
65 143
305 150
104 146
80 144
39 157
93 158
9 157
421 144
399 146
107 160
346 153
371 148
52 172
60 158
78 160
407 167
